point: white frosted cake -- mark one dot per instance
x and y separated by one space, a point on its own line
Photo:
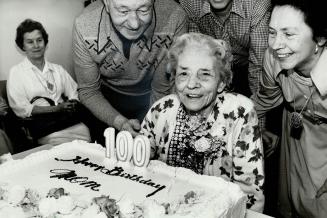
75 180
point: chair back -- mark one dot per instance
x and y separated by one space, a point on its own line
3 89
3 97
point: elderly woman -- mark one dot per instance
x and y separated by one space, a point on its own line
203 127
37 88
295 73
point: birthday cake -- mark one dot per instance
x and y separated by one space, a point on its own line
76 180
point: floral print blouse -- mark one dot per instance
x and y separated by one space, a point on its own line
227 143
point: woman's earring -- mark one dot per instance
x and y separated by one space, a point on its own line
316 49
221 87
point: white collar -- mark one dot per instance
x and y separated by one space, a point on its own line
319 73
47 66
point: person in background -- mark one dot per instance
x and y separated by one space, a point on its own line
295 66
119 51
242 24
36 88
204 127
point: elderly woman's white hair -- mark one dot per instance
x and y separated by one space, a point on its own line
218 48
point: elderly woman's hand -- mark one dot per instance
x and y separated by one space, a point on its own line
270 142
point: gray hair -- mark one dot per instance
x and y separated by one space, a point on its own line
218 48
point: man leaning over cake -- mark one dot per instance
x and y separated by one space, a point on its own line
203 126
119 58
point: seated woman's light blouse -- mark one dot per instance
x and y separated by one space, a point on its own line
26 81
227 144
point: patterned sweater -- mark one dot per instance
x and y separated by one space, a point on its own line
236 152
99 58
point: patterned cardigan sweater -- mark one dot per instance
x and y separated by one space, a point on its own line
233 122
99 59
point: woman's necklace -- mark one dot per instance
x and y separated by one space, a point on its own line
197 122
296 117
50 87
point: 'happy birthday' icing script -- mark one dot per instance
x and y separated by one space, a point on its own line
71 176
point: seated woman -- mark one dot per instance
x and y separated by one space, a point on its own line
38 88
203 127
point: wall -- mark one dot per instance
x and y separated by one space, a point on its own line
57 17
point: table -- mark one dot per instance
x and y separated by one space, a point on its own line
249 213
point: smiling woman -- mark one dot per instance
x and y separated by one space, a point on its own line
197 83
291 40
56 15
32 39
295 73
202 126
43 91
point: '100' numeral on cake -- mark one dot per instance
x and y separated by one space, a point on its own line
124 147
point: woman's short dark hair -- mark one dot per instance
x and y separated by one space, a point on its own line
28 26
217 48
313 12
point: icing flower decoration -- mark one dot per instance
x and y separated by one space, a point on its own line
11 211
126 206
153 209
47 206
190 197
15 194
56 193
93 211
65 204
107 205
